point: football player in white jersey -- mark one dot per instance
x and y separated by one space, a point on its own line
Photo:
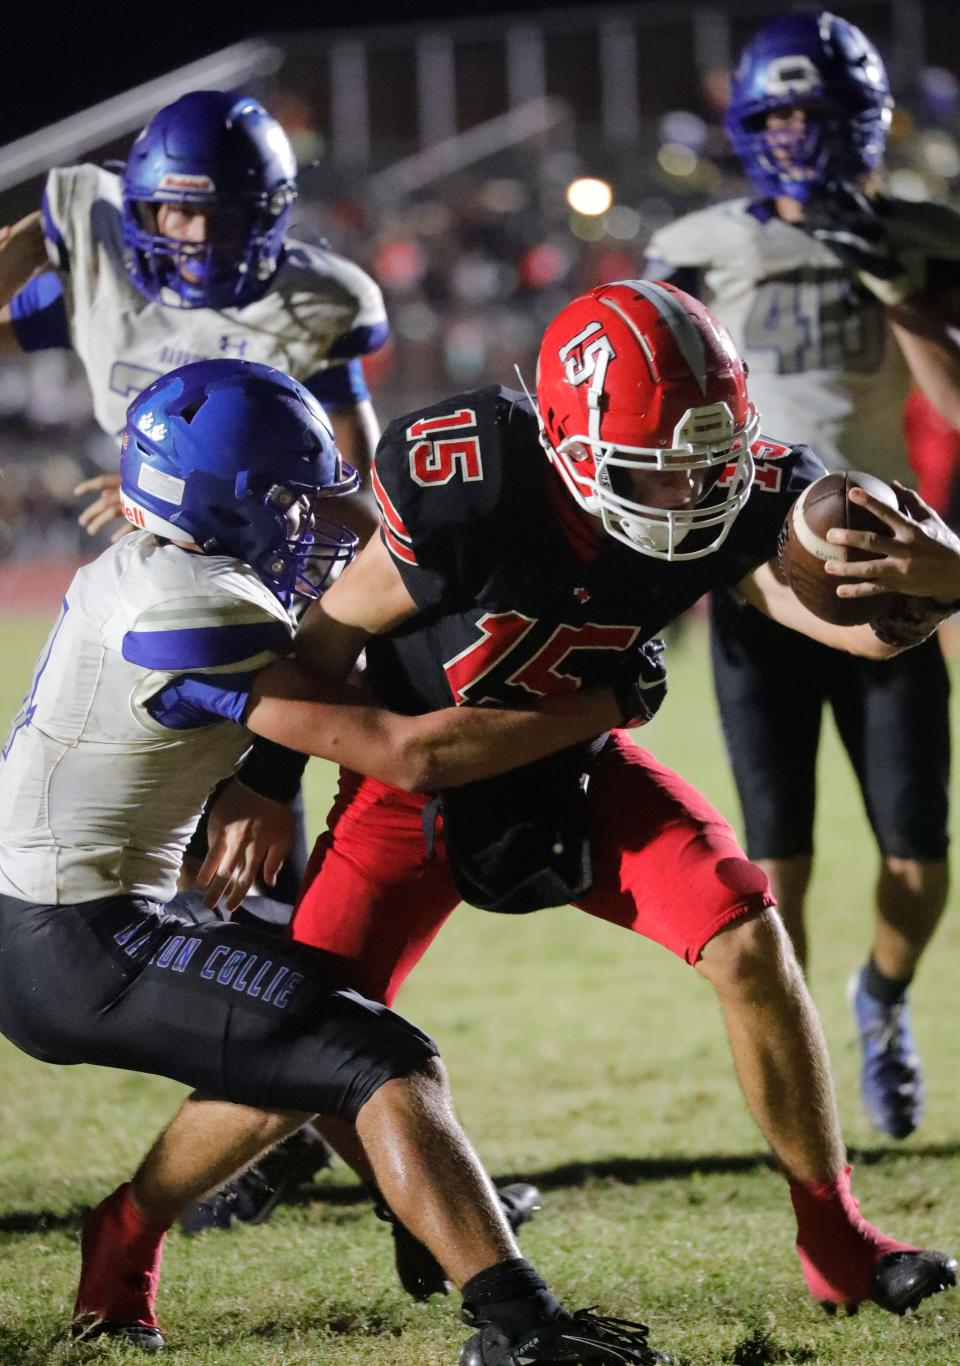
836 295
168 654
184 257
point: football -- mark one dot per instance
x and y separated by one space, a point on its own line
804 549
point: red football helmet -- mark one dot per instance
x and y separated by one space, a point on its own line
637 379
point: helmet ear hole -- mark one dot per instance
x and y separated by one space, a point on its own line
190 411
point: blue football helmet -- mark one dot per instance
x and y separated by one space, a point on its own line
236 458
223 153
826 66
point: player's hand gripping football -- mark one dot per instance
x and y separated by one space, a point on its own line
105 509
248 837
640 683
853 227
920 555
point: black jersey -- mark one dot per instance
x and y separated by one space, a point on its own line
514 604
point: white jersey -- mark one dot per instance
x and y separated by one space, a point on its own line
125 341
107 767
825 367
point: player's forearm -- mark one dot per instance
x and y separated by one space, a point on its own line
465 744
23 252
930 342
766 589
418 753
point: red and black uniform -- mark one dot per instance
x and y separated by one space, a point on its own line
517 602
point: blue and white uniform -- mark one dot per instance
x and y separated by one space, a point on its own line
132 715
319 314
825 369
130 720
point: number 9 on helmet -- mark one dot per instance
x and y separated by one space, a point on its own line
236 458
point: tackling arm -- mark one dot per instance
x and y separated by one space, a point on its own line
368 599
425 753
441 749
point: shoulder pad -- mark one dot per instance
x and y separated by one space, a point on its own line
695 238
186 611
331 278
437 469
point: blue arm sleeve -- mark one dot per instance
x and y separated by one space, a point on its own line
342 386
38 314
201 699
359 341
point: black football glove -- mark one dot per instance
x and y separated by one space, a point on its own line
853 227
640 683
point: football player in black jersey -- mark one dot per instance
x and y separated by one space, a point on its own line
502 575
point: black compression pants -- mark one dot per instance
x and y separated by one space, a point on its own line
892 716
228 1010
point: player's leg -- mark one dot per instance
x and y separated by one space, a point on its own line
377 888
377 891
768 686
257 1026
894 720
374 897
668 866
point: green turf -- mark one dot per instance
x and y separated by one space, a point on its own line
589 1062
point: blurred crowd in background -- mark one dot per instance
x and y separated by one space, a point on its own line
472 265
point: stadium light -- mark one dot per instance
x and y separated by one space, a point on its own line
589 196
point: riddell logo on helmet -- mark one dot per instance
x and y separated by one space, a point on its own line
173 180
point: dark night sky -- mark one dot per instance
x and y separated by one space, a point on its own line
58 60
62 56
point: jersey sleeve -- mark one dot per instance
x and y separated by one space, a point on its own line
665 259
38 314
340 386
435 478
685 243
68 199
202 650
342 308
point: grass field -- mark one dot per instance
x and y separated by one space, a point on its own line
582 1060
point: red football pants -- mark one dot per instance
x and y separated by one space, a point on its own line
665 865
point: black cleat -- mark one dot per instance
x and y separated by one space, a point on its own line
583 1337
520 1203
421 1275
252 1196
141 1335
903 1279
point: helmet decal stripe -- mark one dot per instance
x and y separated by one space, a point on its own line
683 328
639 337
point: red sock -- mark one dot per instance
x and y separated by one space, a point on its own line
838 1249
120 1269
